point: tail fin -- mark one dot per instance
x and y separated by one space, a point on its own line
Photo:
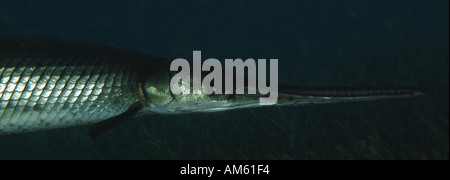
293 95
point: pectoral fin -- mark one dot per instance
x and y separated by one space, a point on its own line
107 124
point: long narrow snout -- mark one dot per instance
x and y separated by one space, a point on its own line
292 95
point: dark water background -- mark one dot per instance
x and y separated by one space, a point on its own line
317 42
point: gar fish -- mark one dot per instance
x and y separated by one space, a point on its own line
48 83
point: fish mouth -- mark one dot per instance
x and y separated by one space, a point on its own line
293 95
351 91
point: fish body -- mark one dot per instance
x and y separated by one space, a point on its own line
48 83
